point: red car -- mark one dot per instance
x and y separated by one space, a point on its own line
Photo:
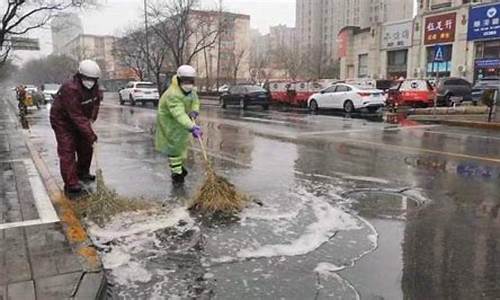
412 92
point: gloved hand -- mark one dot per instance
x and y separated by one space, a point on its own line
194 115
197 132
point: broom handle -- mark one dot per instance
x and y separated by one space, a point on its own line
205 156
203 150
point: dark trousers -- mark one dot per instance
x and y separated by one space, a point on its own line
75 155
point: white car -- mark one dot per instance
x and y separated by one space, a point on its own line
347 97
139 91
50 90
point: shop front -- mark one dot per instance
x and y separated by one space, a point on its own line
439 38
484 32
396 40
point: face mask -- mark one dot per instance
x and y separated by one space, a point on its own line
187 87
88 84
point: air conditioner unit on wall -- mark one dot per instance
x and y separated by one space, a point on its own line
462 69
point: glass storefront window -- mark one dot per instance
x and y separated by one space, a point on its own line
442 68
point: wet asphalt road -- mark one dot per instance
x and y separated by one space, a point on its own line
352 208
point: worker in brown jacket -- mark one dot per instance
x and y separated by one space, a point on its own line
75 108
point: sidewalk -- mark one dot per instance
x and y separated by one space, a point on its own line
474 121
38 260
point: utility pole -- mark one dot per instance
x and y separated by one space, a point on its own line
147 38
219 44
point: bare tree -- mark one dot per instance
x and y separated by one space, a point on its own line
19 17
235 63
50 69
132 51
185 32
289 59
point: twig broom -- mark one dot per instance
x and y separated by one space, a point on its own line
217 195
101 205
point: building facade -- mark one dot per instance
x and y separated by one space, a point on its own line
282 37
232 48
64 28
318 23
446 38
100 49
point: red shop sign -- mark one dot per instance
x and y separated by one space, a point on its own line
342 43
440 29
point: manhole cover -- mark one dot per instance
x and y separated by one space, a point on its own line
385 204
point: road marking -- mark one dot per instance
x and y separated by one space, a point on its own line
413 150
463 135
46 211
43 204
265 120
367 130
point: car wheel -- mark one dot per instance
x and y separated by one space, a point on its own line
313 106
447 100
121 99
243 104
132 101
348 107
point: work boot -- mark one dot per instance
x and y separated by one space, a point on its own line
73 191
178 178
184 172
87 177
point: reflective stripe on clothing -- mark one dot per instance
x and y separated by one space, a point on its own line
176 163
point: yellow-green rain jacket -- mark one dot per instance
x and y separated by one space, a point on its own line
173 123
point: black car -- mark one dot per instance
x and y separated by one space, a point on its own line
453 90
482 85
246 95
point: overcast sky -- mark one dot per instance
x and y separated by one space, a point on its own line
116 15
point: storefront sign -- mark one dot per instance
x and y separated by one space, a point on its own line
397 35
440 29
488 63
484 22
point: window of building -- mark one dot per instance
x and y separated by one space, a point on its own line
442 67
363 65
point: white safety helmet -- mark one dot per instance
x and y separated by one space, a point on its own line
186 71
89 68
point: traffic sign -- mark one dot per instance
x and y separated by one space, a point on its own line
21 43
438 53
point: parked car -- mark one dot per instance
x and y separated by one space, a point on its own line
31 88
412 92
49 91
482 85
246 95
139 91
224 88
347 97
453 90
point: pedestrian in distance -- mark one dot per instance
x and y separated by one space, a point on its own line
177 112
75 108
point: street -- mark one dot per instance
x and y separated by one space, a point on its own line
351 208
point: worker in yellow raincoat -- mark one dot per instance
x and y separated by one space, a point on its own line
177 111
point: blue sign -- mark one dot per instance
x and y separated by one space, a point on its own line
484 22
438 53
488 63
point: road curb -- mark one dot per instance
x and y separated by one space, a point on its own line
73 228
471 124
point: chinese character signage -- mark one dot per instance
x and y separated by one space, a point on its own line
397 35
440 29
484 22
